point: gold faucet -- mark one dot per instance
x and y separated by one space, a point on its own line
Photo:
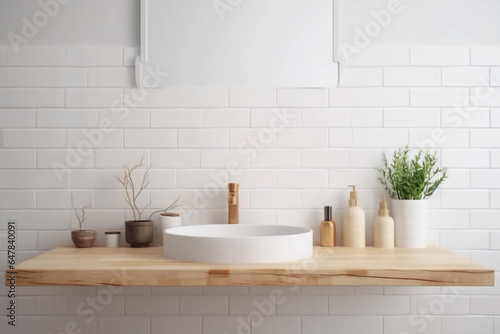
233 202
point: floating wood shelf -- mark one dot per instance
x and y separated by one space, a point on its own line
329 266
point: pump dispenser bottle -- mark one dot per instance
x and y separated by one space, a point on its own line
383 227
354 222
327 229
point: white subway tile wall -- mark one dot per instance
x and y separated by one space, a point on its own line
359 76
255 97
16 77
380 56
412 76
70 118
36 57
439 56
61 77
3 56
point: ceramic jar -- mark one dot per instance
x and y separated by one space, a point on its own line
112 239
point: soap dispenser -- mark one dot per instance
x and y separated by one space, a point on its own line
327 229
354 222
384 227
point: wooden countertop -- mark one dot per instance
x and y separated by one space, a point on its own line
329 266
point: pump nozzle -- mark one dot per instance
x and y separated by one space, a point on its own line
353 197
383 211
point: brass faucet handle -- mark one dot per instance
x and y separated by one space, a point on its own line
233 187
233 210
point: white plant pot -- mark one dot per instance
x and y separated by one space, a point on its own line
168 220
410 223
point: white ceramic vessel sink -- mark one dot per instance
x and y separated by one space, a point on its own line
235 244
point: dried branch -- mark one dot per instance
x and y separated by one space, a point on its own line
172 206
81 218
132 192
144 184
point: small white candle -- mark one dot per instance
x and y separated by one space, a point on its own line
112 239
168 220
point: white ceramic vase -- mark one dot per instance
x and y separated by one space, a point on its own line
410 223
168 220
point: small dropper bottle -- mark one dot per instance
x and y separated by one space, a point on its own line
327 229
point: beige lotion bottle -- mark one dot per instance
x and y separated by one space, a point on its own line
383 227
354 222
327 229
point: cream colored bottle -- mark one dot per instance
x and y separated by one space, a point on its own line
383 236
354 222
327 229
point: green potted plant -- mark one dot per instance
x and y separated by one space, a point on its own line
410 181
139 231
82 238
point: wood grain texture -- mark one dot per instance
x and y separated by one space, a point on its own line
329 266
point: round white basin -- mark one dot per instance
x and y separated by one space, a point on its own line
237 243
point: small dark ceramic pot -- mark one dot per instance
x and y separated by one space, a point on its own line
139 233
83 238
